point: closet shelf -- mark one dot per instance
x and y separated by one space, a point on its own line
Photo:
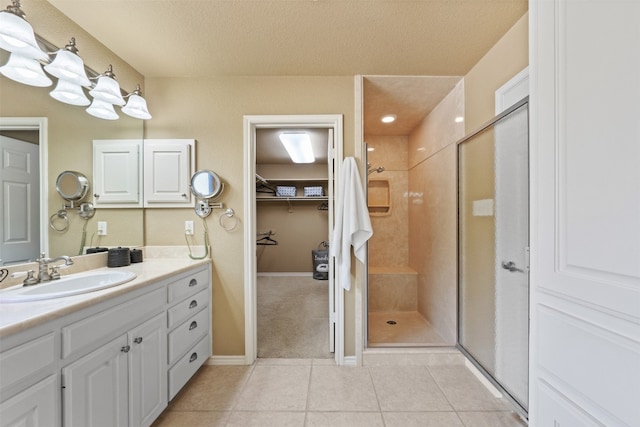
284 199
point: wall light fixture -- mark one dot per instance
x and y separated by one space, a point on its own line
27 59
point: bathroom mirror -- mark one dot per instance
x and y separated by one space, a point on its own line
64 134
206 184
72 186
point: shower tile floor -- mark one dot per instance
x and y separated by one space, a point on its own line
410 329
316 392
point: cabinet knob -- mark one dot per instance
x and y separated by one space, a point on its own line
193 325
184 195
193 282
96 195
138 340
193 304
125 349
193 357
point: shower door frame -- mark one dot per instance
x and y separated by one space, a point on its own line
522 410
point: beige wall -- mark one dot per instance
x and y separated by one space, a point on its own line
211 110
509 56
71 130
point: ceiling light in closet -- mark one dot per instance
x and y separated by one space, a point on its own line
298 146
389 118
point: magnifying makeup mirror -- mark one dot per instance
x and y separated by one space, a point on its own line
72 186
205 186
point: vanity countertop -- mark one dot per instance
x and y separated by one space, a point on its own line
16 317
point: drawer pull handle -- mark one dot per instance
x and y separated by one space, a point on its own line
125 349
193 325
138 340
193 282
193 357
193 304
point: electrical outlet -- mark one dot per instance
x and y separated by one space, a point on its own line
188 228
102 228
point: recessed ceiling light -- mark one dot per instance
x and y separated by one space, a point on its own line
298 146
371 149
459 119
389 118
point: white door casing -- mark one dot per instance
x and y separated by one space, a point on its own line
585 215
251 123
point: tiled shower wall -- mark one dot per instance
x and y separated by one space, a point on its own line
433 212
389 245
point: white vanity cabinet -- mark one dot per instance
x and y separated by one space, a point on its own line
189 323
117 173
117 362
150 173
29 369
123 380
168 166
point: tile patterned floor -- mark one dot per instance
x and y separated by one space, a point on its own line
315 392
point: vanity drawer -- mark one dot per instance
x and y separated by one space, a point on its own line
187 307
187 366
185 335
27 360
188 285
97 328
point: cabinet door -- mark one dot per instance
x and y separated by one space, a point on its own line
148 371
168 165
36 406
96 387
117 173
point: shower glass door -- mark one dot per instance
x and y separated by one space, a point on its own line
493 276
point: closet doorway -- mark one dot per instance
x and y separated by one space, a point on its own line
291 307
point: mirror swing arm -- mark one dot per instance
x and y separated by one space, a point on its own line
207 187
72 186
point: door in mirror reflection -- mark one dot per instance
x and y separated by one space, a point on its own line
19 192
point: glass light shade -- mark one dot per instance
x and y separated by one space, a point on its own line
136 107
69 93
16 36
102 110
298 146
68 66
108 90
25 70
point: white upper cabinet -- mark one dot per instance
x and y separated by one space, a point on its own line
150 173
117 173
168 165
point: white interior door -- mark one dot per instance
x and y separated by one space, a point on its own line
332 281
20 195
585 246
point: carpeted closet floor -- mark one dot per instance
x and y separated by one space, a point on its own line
293 317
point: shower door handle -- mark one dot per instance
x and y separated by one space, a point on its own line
511 266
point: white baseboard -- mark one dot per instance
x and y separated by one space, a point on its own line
226 360
349 361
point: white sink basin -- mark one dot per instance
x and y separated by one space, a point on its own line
72 284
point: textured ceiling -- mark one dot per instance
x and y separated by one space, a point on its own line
202 38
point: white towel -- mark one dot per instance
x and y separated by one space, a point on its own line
353 226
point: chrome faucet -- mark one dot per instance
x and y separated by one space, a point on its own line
44 274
